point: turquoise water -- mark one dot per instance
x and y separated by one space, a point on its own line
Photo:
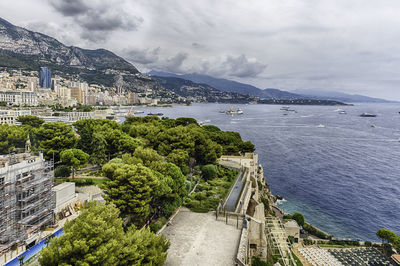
343 177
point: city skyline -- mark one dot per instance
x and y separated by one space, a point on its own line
343 46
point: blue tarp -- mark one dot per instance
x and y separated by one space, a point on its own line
33 250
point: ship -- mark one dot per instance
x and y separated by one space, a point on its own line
232 111
155 114
367 115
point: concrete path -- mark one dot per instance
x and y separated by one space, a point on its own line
198 239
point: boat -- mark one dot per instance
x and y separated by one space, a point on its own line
222 112
343 112
321 126
285 108
367 115
373 125
232 111
155 114
338 110
138 112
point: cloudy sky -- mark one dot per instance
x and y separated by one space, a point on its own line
350 46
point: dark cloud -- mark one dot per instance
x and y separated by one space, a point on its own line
242 67
70 7
174 64
142 56
232 66
97 18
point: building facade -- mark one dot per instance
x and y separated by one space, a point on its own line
16 97
44 77
26 200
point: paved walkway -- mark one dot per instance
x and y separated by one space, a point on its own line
198 239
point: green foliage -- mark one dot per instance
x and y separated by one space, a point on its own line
208 194
30 120
131 191
256 261
53 138
97 237
179 158
387 235
75 158
209 171
62 171
314 231
390 237
12 137
299 218
156 226
99 149
368 243
82 182
185 121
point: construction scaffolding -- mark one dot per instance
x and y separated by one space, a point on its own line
25 198
277 240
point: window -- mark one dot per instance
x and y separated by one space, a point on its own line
1 181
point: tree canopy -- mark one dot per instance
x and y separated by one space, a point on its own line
75 158
299 218
53 138
30 120
97 237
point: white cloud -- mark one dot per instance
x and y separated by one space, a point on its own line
347 45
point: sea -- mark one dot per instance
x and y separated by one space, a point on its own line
342 171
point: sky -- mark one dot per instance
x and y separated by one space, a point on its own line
350 46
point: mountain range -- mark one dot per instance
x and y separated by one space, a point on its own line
24 49
234 86
339 96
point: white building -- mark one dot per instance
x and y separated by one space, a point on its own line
25 199
14 97
64 197
10 116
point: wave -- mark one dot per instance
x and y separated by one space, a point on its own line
278 202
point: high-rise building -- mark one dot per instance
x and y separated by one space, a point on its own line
77 94
44 77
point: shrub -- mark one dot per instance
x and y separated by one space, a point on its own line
62 171
209 171
155 227
299 218
368 243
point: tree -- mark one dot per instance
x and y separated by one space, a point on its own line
389 236
86 129
299 218
97 237
143 248
209 171
131 191
147 156
12 137
75 158
21 259
52 138
99 149
62 171
30 120
179 158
